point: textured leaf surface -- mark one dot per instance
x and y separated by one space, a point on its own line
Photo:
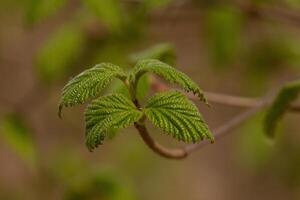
169 73
286 96
177 116
113 111
89 83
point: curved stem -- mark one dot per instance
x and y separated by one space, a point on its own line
254 105
181 153
156 147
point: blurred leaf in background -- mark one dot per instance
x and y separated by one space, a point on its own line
59 53
254 150
37 10
280 105
14 132
153 4
80 179
101 184
107 11
268 54
223 28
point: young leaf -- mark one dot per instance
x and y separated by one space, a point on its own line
89 83
143 88
286 96
169 73
177 116
112 111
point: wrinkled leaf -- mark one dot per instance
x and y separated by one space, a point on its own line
89 83
177 116
168 73
112 111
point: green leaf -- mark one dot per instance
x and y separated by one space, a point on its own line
286 96
89 83
15 133
40 9
177 116
163 52
143 87
108 11
112 111
59 53
167 72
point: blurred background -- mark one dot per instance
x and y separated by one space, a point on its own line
241 47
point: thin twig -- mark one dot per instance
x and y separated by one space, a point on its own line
218 98
179 153
254 105
238 101
228 126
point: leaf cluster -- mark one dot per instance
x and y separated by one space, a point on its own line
170 111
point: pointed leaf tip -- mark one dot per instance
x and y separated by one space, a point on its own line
89 84
170 74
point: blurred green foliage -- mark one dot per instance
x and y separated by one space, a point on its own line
97 181
269 54
108 11
223 28
152 4
104 185
15 133
253 148
125 26
285 97
38 10
59 53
